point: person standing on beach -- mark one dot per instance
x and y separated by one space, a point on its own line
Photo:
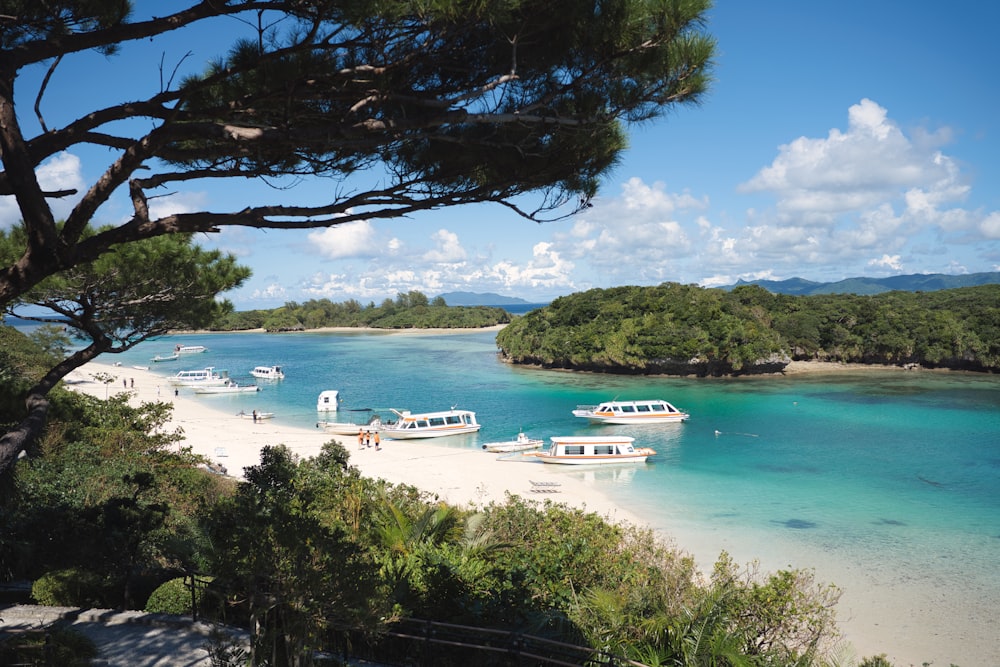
377 448
361 438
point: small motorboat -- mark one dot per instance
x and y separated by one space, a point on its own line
268 373
350 428
255 415
519 444
168 357
189 349
227 388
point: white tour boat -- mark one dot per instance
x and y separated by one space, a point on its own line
268 373
189 349
588 450
653 411
328 400
430 424
199 378
519 444
229 387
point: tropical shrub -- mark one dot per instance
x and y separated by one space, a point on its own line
174 597
72 587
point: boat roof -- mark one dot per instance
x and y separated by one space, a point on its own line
406 414
592 439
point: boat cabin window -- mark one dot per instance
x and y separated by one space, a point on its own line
436 421
642 408
604 449
628 408
574 450
453 419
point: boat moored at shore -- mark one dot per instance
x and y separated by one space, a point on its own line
351 428
229 387
256 415
519 444
651 411
430 424
589 450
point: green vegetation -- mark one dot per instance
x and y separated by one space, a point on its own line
689 330
411 310
56 646
310 555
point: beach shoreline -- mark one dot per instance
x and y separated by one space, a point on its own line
868 614
234 443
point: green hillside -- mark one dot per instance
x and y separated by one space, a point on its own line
690 330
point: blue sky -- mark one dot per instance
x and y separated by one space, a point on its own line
839 139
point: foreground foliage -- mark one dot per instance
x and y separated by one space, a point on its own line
689 330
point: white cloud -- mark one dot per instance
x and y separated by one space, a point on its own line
870 187
350 239
273 292
447 248
889 262
635 237
990 226
182 202
818 179
60 172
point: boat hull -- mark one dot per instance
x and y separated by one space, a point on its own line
347 428
172 357
507 447
591 460
260 415
598 419
520 444
225 390
416 434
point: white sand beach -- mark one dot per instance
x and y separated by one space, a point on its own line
912 625
235 443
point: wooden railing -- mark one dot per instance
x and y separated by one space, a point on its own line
428 643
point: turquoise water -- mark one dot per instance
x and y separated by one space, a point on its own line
884 472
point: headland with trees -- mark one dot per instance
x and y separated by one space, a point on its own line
690 330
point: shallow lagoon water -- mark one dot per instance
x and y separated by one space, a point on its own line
889 478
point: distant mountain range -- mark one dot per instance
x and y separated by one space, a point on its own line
918 282
484 299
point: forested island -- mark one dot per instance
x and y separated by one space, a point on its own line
410 310
690 330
